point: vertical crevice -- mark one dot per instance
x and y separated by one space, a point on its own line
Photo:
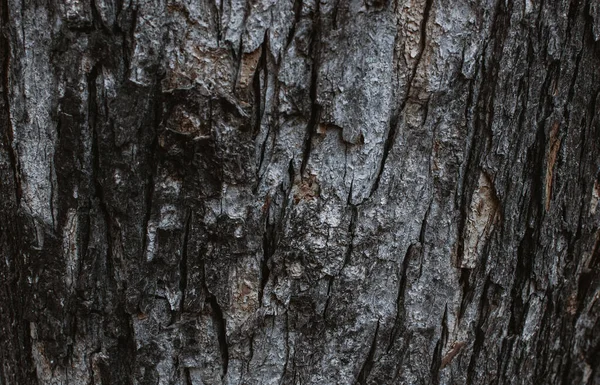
95 149
99 193
268 251
126 347
422 45
297 14
467 291
221 330
479 332
153 162
261 66
259 104
6 53
251 346
329 279
422 234
51 171
16 356
334 14
479 140
395 117
315 110
436 363
129 41
187 376
411 252
528 245
287 348
469 143
363 375
351 233
183 263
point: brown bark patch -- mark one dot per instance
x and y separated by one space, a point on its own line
307 189
453 352
480 221
248 68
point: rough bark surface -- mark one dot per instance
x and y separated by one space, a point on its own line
300 192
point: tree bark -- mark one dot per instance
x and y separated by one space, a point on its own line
300 192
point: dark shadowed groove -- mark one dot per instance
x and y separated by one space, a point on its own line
129 37
263 65
220 325
96 167
467 291
183 263
251 346
315 110
436 363
387 146
393 126
149 193
187 376
482 121
544 350
363 375
423 229
218 16
469 143
399 319
125 342
6 52
422 233
351 233
579 56
404 355
297 15
528 245
97 20
334 14
479 342
153 158
237 56
14 294
502 359
258 95
268 251
413 251
422 45
329 279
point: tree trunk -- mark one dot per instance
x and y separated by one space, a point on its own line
300 192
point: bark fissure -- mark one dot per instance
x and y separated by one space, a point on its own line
183 263
399 317
315 108
351 234
395 117
365 370
174 201
221 330
438 362
258 104
478 344
268 251
6 54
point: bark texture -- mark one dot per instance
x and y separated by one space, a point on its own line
300 192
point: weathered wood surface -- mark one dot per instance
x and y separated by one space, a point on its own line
300 192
